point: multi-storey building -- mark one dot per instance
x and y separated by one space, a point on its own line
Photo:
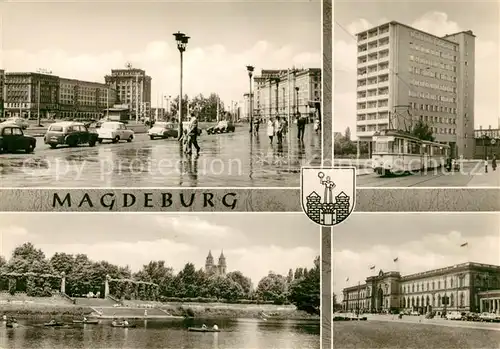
246 106
405 75
84 99
2 91
28 93
217 269
133 87
463 287
283 92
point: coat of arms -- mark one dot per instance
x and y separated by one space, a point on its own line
328 194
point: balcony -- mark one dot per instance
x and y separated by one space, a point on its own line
383 84
372 98
367 134
361 88
364 64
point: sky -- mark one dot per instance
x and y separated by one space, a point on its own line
85 40
438 18
253 244
420 241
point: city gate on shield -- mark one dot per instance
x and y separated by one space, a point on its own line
328 194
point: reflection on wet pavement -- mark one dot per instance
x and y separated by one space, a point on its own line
226 160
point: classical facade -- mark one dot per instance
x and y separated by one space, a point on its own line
463 287
286 91
217 269
133 88
405 75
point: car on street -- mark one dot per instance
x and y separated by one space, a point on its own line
454 315
223 126
414 313
163 129
69 133
489 317
470 316
12 138
114 131
21 122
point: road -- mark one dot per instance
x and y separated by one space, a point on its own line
472 175
386 331
226 160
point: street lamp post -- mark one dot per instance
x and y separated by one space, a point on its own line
297 100
277 81
250 70
182 40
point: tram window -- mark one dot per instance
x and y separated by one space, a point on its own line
381 147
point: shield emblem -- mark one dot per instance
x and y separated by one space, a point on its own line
328 194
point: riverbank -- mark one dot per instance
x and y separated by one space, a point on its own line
175 310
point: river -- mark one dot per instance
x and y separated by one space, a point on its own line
239 333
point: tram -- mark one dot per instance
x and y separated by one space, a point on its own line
398 152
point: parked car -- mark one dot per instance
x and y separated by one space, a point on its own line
21 122
69 133
414 313
469 316
163 129
454 315
12 138
223 126
114 131
488 317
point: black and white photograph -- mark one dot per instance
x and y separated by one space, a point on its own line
159 281
416 92
96 102
417 280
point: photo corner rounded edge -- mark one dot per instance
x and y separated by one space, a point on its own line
322 200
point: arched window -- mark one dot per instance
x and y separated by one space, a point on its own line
452 300
451 282
418 302
413 287
427 285
433 285
439 285
462 299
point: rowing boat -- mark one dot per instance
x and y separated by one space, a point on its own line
201 329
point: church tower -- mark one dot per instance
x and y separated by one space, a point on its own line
222 264
209 263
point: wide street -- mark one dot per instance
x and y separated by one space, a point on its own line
471 175
226 160
387 331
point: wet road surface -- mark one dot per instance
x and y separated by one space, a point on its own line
226 160
472 175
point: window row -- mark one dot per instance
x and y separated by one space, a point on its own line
435 52
433 108
433 63
433 40
431 85
435 75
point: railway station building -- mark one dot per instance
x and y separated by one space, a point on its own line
405 75
462 287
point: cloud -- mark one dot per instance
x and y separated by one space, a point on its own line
437 23
198 228
206 68
429 252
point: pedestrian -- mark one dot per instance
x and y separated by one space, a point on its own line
256 126
486 165
279 129
301 126
494 162
192 136
270 129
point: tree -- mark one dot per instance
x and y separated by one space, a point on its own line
347 134
305 293
62 263
243 281
422 131
272 288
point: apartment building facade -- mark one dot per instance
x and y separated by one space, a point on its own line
405 75
133 87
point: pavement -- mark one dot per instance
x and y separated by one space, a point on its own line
387 331
226 160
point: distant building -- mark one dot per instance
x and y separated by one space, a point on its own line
405 75
246 106
487 142
26 93
277 92
215 269
2 91
463 287
133 88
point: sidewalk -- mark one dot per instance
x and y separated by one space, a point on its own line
482 179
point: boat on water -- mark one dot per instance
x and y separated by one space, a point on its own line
201 329
86 322
122 324
11 324
54 323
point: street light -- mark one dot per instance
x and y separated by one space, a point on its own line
297 100
182 40
250 69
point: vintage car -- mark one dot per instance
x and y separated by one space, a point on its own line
114 131
489 317
221 127
470 316
163 129
453 315
12 139
21 122
69 133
